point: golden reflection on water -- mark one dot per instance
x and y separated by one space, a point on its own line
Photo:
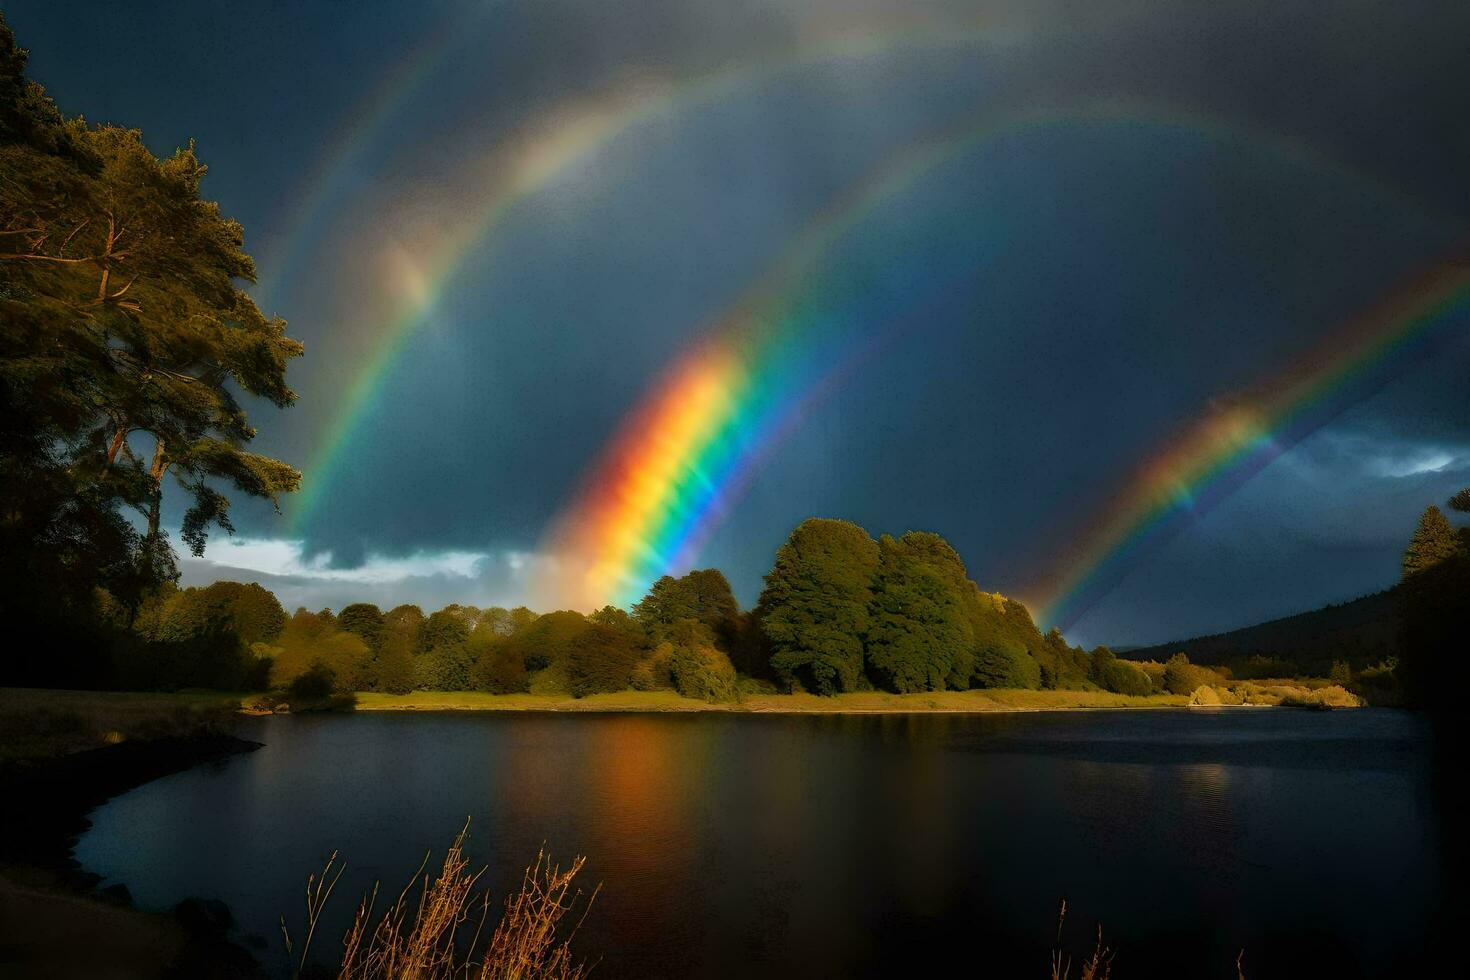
641 827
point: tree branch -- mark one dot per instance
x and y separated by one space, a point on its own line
97 259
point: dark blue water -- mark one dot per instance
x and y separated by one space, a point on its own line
784 846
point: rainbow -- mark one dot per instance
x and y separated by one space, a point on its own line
546 151
550 150
686 453
329 178
689 449
1212 457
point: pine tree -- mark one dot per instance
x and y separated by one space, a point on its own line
1433 542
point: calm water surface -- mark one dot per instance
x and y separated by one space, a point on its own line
787 846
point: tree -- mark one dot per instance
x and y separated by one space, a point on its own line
602 659
917 624
814 608
445 628
703 594
128 299
1004 637
1183 677
311 640
694 666
364 620
125 328
404 625
1461 500
495 666
446 667
668 601
1433 542
1063 667
548 639
1433 600
1118 676
252 612
393 671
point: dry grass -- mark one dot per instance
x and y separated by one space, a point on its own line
1287 694
1098 965
866 702
532 940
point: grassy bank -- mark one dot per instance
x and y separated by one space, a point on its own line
867 702
40 725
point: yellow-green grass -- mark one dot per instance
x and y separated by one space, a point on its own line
866 702
40 724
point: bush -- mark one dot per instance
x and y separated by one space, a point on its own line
1183 677
315 683
704 673
1331 696
1121 677
1205 695
1379 684
641 678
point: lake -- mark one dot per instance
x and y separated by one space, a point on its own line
822 845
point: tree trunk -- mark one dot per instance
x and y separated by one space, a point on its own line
117 443
159 467
106 255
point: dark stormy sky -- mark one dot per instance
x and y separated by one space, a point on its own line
1265 171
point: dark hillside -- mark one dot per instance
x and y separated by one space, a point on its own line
1362 632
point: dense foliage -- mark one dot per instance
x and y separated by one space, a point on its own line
125 339
814 608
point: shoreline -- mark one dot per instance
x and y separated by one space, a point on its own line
992 701
49 901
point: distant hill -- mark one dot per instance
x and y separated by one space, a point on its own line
1362 632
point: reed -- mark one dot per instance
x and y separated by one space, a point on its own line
1098 965
424 937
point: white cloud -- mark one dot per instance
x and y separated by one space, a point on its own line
430 579
284 557
1413 463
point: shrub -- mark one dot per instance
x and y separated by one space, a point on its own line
1183 677
1205 695
1379 684
1121 677
704 673
315 683
642 678
1331 696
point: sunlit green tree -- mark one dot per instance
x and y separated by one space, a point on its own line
814 608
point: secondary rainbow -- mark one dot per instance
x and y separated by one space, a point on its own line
1214 456
545 151
687 451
